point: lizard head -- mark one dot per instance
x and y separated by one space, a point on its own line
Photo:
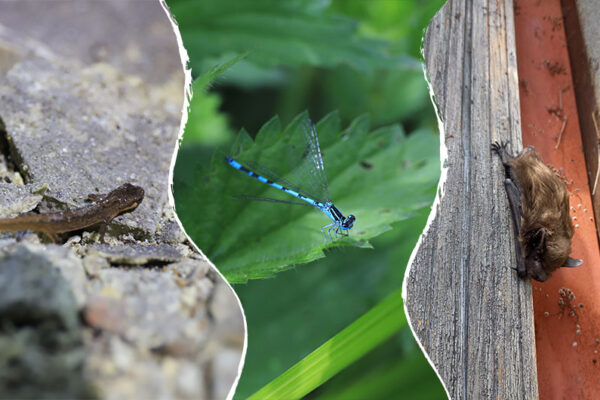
126 197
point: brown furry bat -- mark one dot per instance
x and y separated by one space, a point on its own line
539 203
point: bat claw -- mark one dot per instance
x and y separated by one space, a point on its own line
499 147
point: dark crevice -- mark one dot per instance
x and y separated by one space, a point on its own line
466 222
4 146
11 157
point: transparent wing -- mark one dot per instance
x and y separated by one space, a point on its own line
293 160
272 176
311 171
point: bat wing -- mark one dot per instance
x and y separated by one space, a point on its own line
514 199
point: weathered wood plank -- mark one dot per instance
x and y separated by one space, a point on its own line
470 312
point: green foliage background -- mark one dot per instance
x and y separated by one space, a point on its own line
255 60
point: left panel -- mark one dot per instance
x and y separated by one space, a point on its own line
101 294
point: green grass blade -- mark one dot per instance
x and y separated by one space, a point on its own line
370 330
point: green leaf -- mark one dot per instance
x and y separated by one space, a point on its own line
326 296
289 33
401 22
380 177
370 330
206 126
207 78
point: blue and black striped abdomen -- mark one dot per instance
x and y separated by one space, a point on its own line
269 182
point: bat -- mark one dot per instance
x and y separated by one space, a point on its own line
539 205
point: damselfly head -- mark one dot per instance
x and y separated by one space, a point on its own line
348 222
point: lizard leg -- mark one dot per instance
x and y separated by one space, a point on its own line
102 229
53 236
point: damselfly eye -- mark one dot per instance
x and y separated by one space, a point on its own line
349 222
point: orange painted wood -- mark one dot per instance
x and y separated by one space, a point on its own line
567 336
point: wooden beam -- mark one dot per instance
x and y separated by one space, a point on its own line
468 309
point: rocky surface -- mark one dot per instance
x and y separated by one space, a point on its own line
131 35
15 199
41 344
83 130
142 315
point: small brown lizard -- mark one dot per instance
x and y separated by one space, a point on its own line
105 207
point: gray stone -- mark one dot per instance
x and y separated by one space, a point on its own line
121 33
17 199
135 253
93 263
224 367
190 270
229 319
40 338
150 301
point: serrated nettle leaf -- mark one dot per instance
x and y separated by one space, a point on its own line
270 133
328 129
381 177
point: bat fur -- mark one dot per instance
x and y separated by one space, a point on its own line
539 203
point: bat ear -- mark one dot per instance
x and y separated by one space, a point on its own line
573 262
538 239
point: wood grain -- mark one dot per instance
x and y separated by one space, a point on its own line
468 309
